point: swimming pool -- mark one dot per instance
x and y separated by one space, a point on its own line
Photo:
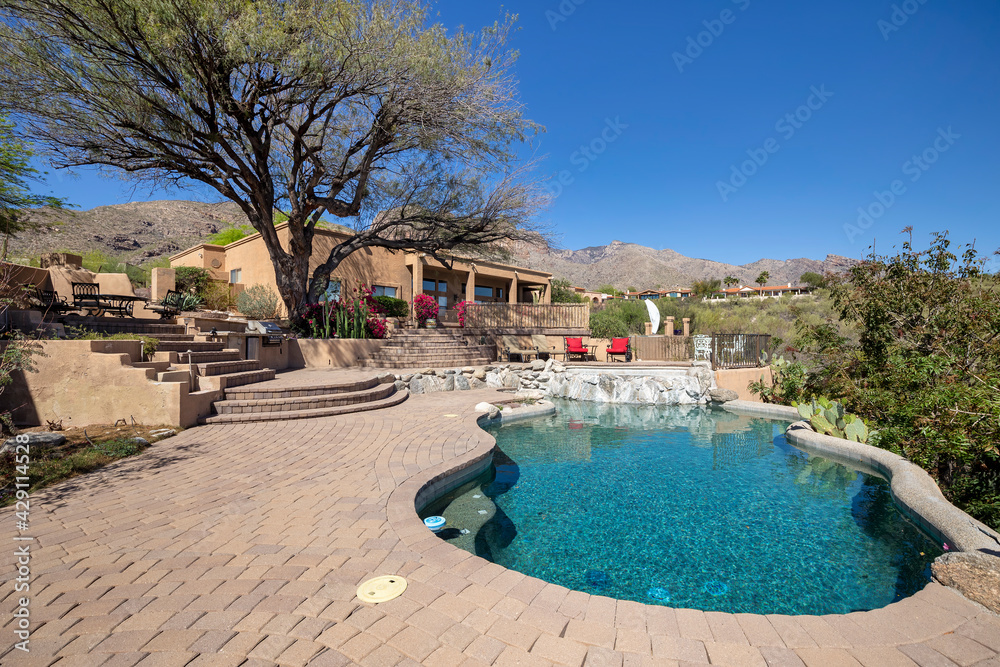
687 507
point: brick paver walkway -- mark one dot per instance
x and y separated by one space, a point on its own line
244 545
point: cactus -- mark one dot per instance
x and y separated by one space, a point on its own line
830 417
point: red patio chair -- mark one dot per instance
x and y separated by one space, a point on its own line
620 347
575 347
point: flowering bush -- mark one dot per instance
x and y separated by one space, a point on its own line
460 309
358 317
424 308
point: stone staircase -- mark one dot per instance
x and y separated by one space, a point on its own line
424 348
275 403
213 366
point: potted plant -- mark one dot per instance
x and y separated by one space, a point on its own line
425 309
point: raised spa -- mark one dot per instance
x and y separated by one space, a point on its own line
686 507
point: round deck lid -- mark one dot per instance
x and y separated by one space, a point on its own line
382 589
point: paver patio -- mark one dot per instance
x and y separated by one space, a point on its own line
245 544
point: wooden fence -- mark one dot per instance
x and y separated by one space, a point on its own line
739 350
528 316
663 348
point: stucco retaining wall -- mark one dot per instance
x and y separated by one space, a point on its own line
737 379
84 382
333 353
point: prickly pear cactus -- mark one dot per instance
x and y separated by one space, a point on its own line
830 417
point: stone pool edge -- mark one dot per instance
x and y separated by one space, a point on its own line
913 489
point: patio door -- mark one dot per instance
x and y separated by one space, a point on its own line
437 290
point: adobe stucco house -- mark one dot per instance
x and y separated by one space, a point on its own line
402 274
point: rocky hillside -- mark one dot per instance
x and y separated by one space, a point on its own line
136 232
628 264
141 231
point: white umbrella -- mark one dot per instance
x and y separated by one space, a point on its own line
654 315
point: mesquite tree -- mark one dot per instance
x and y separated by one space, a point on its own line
355 108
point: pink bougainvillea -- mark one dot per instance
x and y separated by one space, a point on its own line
424 308
460 309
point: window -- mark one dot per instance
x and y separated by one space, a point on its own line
236 276
381 290
484 291
332 292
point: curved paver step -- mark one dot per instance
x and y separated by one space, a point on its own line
441 363
395 399
298 403
253 393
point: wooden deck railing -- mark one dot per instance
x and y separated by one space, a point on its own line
528 316
663 348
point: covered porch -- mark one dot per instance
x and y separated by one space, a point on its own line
477 281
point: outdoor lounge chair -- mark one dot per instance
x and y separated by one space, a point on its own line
620 347
576 348
511 346
169 305
541 344
48 300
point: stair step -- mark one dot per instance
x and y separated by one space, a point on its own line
227 367
259 393
439 363
212 355
422 357
221 382
394 399
193 345
299 403
170 337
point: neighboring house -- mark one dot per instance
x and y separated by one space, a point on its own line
401 274
746 291
651 294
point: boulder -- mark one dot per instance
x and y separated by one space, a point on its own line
386 378
723 395
530 395
974 575
494 412
407 378
461 383
476 384
400 385
538 365
34 440
483 407
480 374
557 367
427 371
417 385
449 382
468 370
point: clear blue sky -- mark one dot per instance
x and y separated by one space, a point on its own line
679 122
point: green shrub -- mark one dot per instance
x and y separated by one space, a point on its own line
190 279
608 323
189 302
393 307
218 296
231 235
258 302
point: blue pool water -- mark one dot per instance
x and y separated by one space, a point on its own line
686 507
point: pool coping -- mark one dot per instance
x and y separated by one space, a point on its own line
913 489
900 618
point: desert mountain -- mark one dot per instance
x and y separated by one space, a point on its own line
628 264
140 231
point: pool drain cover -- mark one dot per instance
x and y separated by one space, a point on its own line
382 589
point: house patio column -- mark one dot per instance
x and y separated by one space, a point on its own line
470 284
418 276
668 330
687 327
512 296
